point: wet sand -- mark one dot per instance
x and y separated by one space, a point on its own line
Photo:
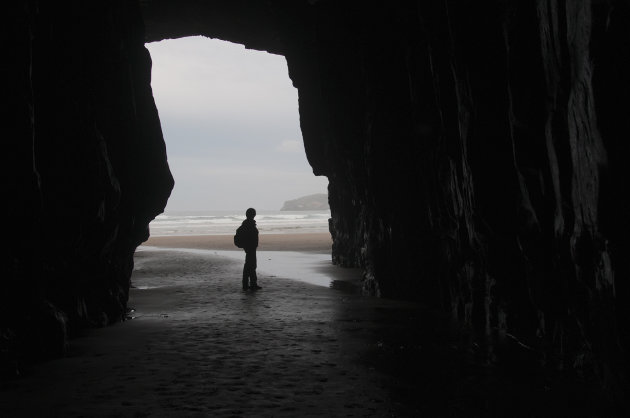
198 346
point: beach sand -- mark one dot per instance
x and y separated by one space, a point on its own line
316 242
198 346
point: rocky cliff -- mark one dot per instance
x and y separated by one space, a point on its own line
505 120
85 168
317 201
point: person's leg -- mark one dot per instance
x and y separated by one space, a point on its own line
247 269
253 279
250 266
245 277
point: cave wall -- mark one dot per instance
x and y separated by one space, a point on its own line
475 157
85 170
475 151
475 163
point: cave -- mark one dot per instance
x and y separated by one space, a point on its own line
475 154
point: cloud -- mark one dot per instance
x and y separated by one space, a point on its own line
200 76
232 185
291 147
223 109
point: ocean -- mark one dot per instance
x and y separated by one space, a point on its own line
226 222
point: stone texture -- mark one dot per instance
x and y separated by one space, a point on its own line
85 167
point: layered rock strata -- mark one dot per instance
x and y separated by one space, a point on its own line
85 169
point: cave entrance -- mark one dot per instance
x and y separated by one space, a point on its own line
230 121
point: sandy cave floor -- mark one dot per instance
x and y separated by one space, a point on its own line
201 347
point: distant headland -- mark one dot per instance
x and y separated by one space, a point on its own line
317 201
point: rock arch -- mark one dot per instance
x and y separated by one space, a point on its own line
476 157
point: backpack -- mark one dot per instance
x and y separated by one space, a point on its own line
239 238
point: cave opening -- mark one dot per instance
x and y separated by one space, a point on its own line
230 121
231 126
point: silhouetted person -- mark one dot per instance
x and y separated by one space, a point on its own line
250 243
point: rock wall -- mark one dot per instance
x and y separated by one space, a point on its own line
475 156
84 173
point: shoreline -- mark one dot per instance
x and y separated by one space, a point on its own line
308 267
304 257
317 242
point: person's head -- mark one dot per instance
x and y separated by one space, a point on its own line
250 213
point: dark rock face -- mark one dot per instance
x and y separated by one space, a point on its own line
492 117
505 121
85 170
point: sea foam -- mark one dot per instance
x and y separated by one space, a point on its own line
226 222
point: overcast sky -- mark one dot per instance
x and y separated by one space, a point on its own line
231 125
